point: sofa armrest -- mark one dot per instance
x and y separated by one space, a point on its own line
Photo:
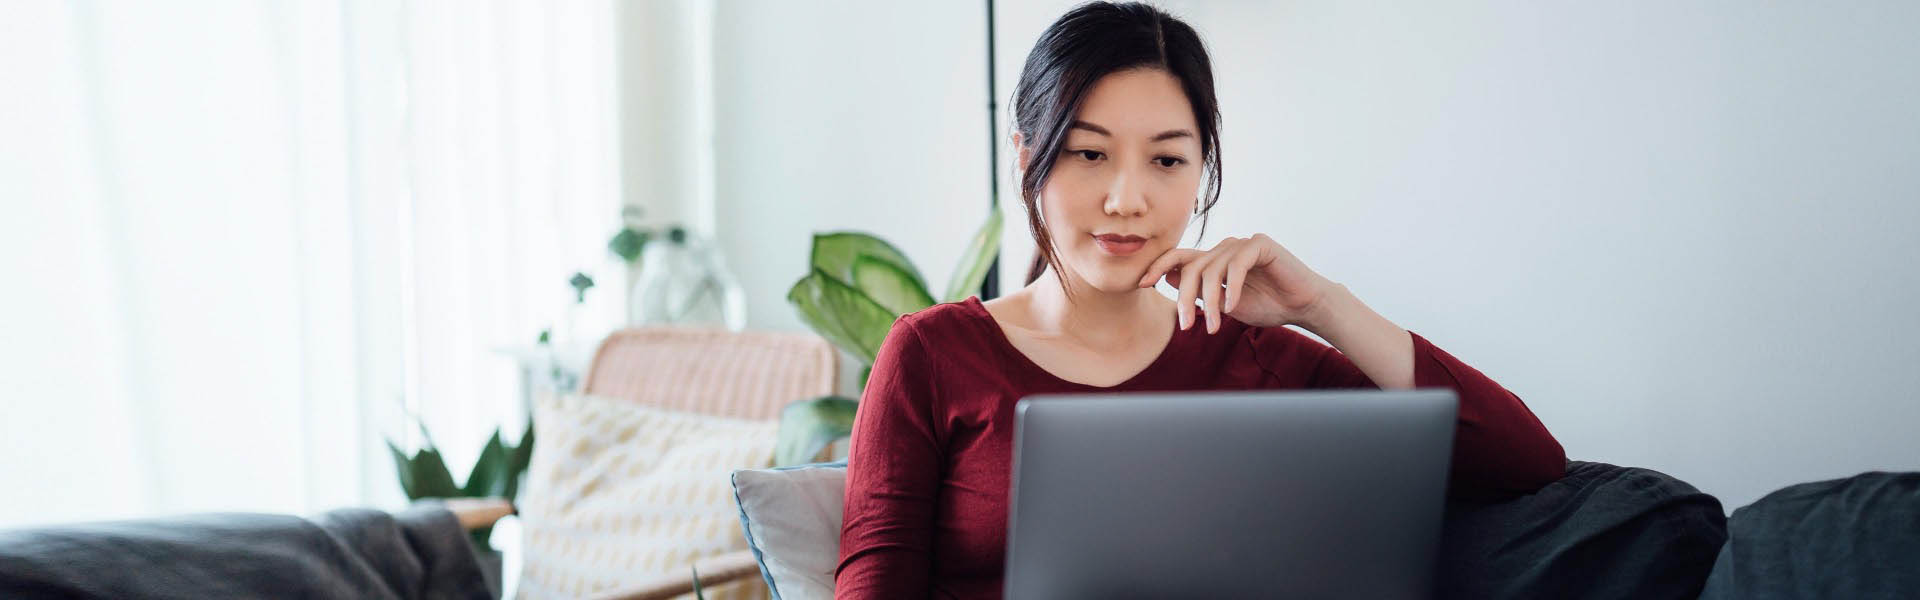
476 513
713 570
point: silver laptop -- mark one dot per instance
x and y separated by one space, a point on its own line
1320 494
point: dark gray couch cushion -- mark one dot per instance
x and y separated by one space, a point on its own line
1602 531
421 553
1857 537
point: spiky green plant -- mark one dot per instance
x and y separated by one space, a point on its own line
496 474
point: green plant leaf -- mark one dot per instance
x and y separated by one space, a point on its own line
522 456
889 286
809 426
488 478
403 467
843 315
628 243
835 253
430 476
697 594
580 282
972 269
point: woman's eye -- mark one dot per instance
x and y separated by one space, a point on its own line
1169 161
1089 154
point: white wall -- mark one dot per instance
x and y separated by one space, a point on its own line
1680 231
865 115
664 56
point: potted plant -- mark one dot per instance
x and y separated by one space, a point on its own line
856 286
496 474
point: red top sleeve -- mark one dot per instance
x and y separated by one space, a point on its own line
892 477
1500 447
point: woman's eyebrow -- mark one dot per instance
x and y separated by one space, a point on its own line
1171 134
1078 124
1159 137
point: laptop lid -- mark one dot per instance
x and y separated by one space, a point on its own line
1269 494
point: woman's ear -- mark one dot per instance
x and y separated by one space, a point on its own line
1021 153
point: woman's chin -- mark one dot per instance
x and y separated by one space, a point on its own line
1111 281
1110 274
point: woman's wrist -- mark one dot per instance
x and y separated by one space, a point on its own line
1333 310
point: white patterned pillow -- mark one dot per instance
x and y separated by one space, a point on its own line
620 493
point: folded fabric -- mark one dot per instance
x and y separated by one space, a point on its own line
1602 531
1857 537
421 552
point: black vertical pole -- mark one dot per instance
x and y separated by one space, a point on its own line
990 288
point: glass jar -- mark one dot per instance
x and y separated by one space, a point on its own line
683 280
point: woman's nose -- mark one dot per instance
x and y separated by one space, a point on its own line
1125 199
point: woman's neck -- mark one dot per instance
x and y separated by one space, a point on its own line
1096 317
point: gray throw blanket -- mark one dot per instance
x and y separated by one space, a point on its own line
421 552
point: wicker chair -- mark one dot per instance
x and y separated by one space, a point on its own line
750 375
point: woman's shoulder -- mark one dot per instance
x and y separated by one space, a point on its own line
951 330
945 315
939 350
940 322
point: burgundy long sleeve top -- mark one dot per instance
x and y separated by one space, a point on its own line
932 447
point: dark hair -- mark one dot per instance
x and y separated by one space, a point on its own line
1087 43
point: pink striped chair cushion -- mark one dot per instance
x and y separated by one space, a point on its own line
748 375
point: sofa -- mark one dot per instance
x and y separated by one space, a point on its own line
1602 531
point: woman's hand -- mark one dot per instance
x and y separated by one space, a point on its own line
1253 279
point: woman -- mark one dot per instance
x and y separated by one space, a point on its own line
1117 128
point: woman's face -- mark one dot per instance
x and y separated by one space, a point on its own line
1124 186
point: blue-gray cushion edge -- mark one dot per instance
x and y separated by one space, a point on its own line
746 526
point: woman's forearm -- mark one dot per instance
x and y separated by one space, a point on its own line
1381 349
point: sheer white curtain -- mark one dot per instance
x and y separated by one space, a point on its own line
239 237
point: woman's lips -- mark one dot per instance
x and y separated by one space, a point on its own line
1119 245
